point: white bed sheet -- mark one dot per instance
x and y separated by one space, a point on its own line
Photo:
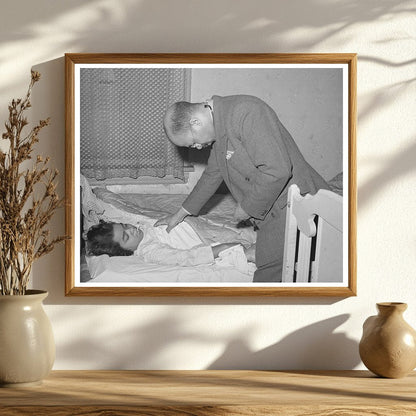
107 269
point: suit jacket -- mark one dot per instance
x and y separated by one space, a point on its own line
256 157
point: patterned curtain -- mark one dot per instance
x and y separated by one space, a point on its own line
121 122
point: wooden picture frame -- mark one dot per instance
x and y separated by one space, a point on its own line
342 74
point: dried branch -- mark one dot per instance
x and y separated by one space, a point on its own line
24 217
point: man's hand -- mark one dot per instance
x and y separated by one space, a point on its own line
240 214
172 220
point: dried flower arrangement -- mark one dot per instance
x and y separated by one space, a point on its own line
28 199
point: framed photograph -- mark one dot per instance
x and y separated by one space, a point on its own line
211 174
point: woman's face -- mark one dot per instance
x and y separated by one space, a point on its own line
127 235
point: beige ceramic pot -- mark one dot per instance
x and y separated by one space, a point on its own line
27 347
388 345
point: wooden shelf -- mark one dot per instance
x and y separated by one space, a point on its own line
203 393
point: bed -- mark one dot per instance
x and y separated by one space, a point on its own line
215 224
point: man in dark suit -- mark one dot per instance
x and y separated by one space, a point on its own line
255 156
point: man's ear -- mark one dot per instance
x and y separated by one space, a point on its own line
195 121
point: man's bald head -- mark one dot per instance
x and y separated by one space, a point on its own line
189 124
176 122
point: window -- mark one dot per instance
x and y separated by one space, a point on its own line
121 125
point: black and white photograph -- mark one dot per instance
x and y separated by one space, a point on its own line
210 175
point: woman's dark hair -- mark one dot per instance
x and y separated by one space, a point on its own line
100 241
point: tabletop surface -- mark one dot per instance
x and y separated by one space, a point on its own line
215 392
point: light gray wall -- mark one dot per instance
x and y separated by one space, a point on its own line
198 333
307 101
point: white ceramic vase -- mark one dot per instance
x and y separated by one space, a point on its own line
27 346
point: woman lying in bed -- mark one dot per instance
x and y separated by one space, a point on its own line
152 245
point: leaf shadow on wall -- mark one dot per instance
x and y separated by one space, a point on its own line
125 27
151 345
316 346
403 162
391 170
144 346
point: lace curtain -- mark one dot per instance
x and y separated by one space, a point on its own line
121 122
